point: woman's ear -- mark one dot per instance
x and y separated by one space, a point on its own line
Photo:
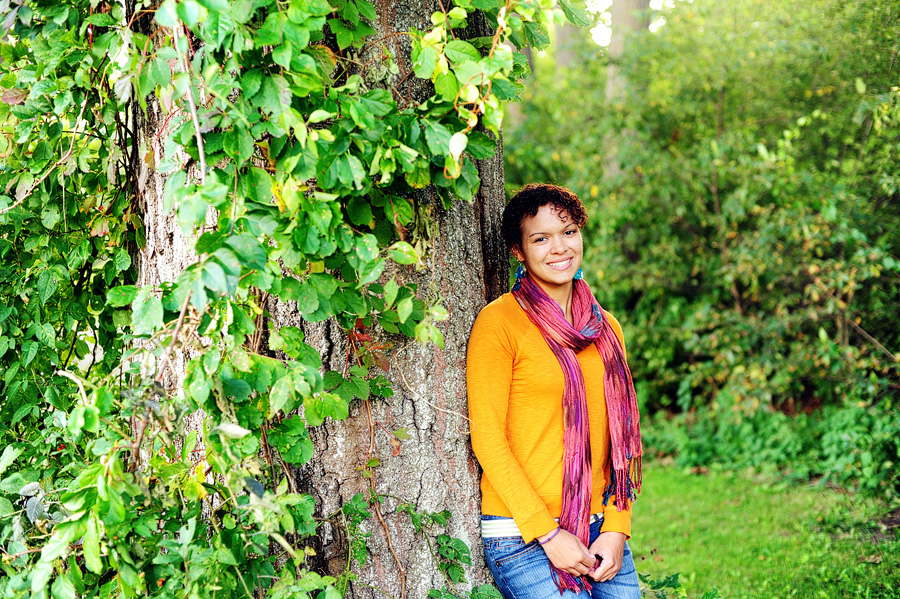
517 252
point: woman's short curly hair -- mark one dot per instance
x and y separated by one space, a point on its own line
529 200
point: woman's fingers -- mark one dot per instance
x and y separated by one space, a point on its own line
569 554
609 546
607 570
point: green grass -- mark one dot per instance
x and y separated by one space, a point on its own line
752 538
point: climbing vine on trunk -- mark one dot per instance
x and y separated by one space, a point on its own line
296 164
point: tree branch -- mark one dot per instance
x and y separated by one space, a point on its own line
193 106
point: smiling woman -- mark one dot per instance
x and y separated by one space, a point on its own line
552 250
554 416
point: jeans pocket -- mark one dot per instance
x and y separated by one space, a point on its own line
509 549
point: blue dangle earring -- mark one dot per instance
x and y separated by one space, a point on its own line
520 274
579 275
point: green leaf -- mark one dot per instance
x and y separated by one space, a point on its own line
536 35
29 351
63 588
281 396
22 412
461 51
356 387
403 253
192 212
9 456
480 145
190 11
122 259
146 312
405 308
366 10
357 172
426 62
91 544
343 33
291 439
122 295
438 138
359 210
319 116
47 285
575 12
390 292
281 55
322 405
159 71
100 19
50 216
239 144
46 334
250 251
446 86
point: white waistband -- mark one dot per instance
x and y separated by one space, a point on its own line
506 527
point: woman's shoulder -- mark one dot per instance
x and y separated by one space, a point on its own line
502 313
617 328
505 307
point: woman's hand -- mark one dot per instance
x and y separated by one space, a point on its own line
610 546
568 553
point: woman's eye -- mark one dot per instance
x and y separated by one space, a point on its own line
570 232
539 239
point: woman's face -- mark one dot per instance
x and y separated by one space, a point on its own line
551 248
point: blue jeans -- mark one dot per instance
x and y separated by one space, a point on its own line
522 571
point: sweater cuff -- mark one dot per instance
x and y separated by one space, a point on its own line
536 525
616 521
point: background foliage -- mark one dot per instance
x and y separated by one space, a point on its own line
746 226
293 157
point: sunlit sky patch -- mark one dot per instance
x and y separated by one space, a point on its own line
602 31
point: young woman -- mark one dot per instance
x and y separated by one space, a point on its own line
554 417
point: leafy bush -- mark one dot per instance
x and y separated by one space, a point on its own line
855 446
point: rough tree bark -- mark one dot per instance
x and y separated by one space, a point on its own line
626 18
435 468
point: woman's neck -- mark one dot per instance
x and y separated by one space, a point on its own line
563 296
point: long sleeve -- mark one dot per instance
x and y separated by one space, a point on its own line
489 372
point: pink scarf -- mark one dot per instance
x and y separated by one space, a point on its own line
566 341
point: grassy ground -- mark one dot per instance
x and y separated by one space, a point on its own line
755 539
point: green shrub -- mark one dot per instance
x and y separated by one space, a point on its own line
854 445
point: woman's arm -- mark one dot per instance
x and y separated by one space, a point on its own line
489 365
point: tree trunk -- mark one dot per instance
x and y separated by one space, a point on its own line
435 469
625 20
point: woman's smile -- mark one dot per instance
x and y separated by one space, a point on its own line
561 265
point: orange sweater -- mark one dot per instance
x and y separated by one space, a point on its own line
515 387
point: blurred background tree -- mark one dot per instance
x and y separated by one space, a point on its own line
745 222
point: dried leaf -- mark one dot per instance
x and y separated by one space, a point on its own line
14 96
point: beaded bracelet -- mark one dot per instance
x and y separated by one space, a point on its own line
548 539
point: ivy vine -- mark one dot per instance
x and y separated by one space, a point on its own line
293 156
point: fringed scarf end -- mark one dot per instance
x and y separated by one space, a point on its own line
565 581
624 484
